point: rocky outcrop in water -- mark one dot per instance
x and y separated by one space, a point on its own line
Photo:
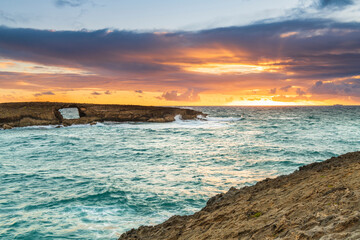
47 113
319 201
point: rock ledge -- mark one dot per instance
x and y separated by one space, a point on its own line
25 114
318 201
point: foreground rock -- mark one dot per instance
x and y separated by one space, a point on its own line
320 201
46 113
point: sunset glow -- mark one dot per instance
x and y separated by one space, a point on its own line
285 61
214 68
267 102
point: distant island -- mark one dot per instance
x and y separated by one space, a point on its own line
319 201
24 114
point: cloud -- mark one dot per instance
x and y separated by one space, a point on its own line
282 98
286 88
272 91
264 55
96 93
44 93
320 49
6 17
138 91
350 87
69 3
190 95
300 92
107 92
333 3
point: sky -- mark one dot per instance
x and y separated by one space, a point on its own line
214 52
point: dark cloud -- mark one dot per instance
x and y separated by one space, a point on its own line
96 93
272 91
350 87
190 95
103 50
138 91
69 3
300 92
333 3
44 93
286 88
319 47
107 92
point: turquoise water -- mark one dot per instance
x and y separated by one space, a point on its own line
95 182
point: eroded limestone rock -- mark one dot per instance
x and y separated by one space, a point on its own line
6 126
319 201
46 113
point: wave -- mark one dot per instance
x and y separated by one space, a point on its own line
225 119
108 196
38 127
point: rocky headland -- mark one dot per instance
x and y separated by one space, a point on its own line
318 201
25 114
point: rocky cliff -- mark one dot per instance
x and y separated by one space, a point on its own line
47 113
319 201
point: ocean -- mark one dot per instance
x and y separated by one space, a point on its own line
95 182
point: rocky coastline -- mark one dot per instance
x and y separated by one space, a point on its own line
318 201
24 114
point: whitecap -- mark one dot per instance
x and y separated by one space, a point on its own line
225 119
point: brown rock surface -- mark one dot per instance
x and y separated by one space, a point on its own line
47 113
6 126
319 201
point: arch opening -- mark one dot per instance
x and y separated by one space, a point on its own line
70 113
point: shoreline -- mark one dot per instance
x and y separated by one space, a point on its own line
319 201
25 114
